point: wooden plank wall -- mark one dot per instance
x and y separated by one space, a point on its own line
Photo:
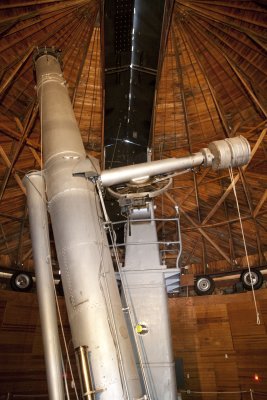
217 336
221 345
22 369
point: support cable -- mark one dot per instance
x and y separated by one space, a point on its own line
250 391
109 305
65 378
245 246
113 240
66 348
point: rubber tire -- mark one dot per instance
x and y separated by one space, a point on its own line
14 281
245 279
204 285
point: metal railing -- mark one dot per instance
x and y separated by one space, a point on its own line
165 246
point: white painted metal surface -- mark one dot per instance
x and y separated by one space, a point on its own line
90 288
144 286
36 199
220 154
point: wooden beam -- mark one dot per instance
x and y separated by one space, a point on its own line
236 178
255 128
6 130
224 20
12 217
20 126
44 10
263 226
36 156
13 73
190 191
226 214
245 84
222 30
28 3
260 204
249 201
6 244
212 91
185 112
85 53
26 132
8 164
228 134
201 231
217 224
20 242
236 70
26 255
59 23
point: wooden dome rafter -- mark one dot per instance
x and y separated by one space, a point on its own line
67 28
211 59
212 85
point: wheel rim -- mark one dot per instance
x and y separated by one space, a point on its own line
203 284
254 278
22 281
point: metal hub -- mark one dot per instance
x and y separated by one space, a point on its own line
22 281
148 188
250 278
203 284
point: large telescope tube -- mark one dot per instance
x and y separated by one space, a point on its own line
92 298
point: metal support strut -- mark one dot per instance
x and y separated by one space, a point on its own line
36 199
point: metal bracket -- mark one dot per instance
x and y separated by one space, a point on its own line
208 157
93 392
87 168
146 193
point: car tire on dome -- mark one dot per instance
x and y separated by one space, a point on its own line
21 281
256 277
204 285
